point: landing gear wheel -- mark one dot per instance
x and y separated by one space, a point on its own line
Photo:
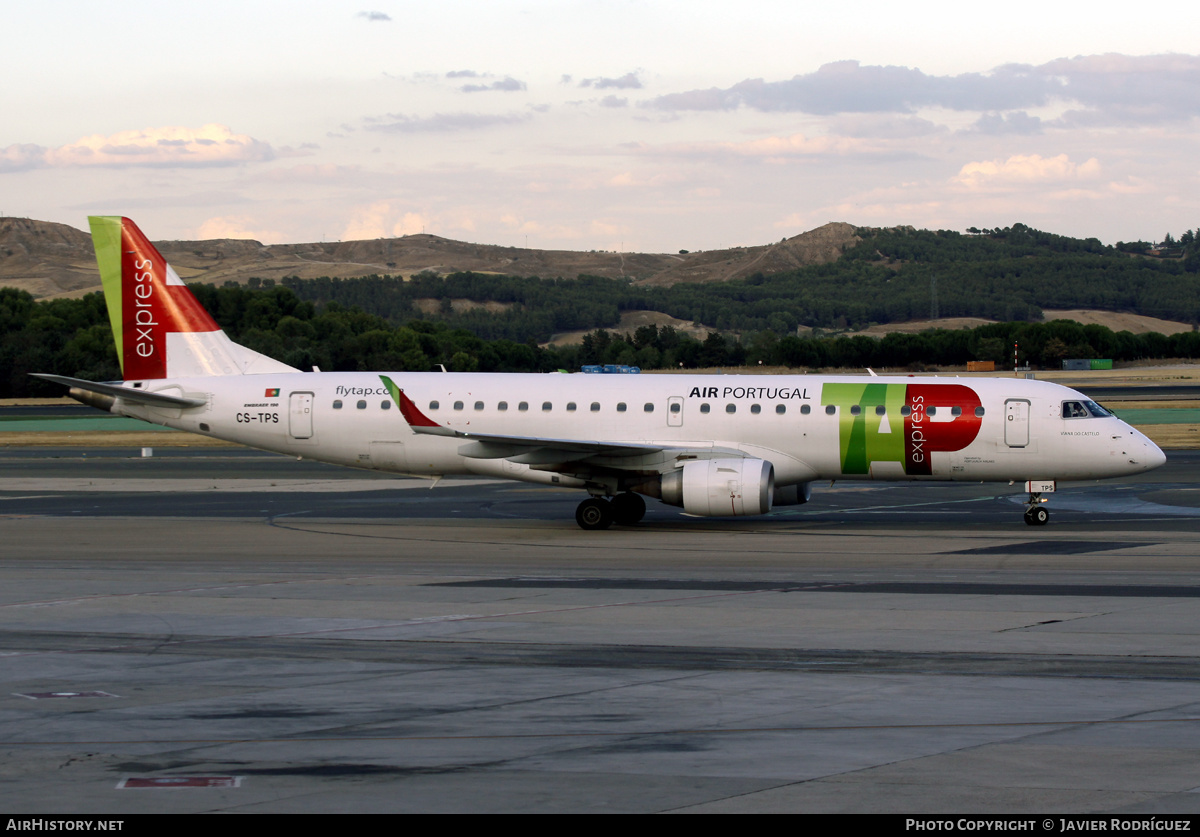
628 509
594 513
1037 516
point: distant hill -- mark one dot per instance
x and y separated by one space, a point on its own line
48 259
823 299
837 277
44 258
824 244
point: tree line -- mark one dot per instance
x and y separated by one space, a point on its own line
892 275
73 337
1009 274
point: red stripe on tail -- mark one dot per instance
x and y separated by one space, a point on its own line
151 308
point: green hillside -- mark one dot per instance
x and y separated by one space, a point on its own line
893 275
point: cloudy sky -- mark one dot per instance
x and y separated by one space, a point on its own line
647 125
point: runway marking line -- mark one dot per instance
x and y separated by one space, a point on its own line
388 625
622 734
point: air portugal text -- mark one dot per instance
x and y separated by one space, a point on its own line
779 393
902 423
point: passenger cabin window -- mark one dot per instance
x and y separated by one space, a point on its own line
731 408
458 405
855 410
880 410
523 406
649 408
956 411
502 406
362 405
478 405
621 407
906 410
781 409
337 405
595 406
979 412
547 406
830 409
570 406
755 409
385 405
805 409
676 407
433 405
931 411
704 408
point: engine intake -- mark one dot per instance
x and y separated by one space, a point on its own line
721 487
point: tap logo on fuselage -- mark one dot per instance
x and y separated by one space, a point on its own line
903 423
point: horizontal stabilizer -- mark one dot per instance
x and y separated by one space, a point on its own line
133 396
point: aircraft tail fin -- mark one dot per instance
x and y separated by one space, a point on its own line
160 329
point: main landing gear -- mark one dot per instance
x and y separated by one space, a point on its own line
598 513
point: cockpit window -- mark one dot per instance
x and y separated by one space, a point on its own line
1083 409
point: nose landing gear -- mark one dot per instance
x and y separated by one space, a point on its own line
1036 514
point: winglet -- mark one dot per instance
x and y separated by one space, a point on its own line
418 421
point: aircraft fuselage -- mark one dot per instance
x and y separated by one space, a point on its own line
809 427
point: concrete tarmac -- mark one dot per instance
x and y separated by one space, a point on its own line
235 632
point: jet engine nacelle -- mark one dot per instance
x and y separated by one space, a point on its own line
721 487
792 495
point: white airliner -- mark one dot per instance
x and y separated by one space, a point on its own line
722 445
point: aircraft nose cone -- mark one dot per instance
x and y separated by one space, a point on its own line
1154 456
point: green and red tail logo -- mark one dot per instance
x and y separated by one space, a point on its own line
412 414
895 434
146 298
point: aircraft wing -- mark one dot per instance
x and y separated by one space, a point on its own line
533 450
